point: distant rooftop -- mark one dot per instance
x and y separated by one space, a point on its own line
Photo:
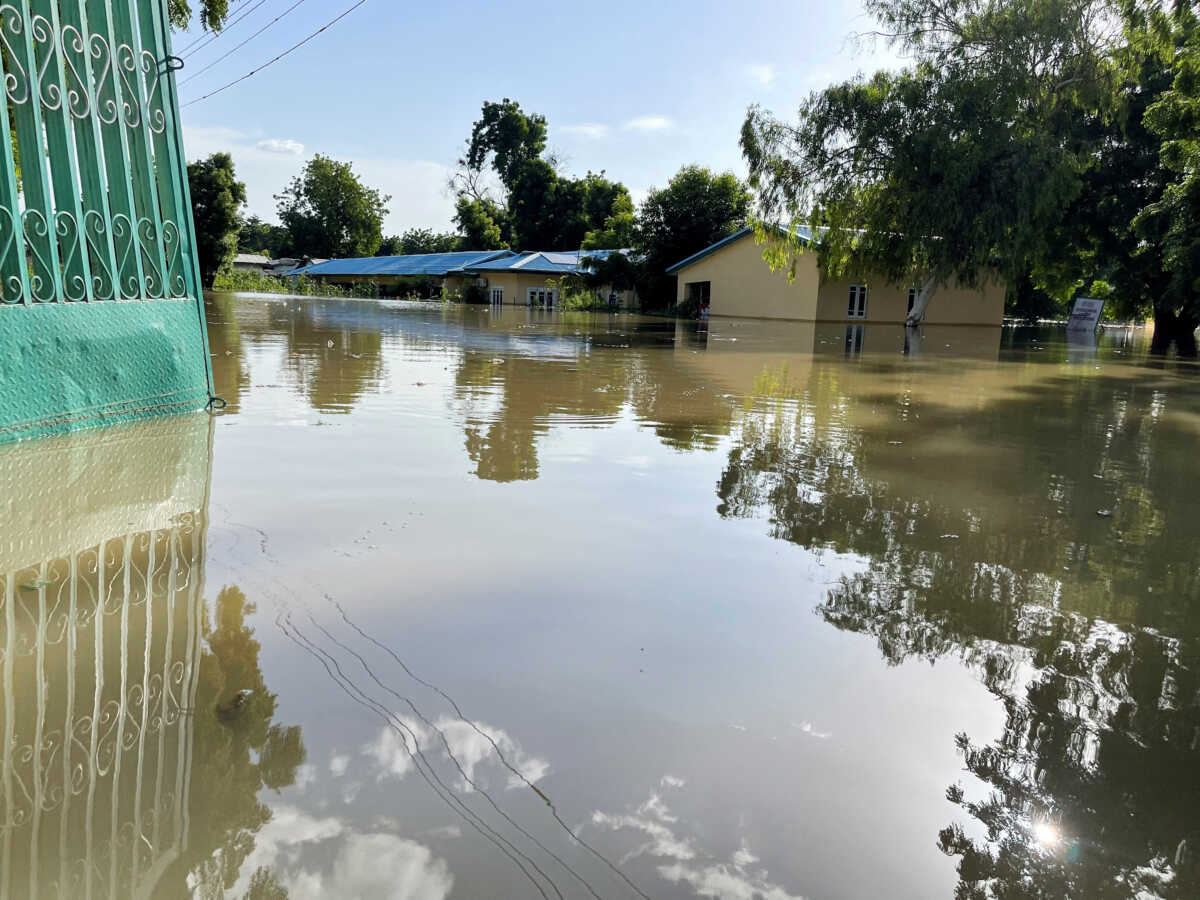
251 259
414 264
543 262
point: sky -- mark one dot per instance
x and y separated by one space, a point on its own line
637 89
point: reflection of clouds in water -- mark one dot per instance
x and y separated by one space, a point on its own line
808 728
338 764
305 775
369 866
708 878
393 751
377 867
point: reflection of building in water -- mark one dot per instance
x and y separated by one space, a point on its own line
102 550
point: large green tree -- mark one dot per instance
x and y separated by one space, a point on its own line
330 213
963 161
217 199
697 207
509 190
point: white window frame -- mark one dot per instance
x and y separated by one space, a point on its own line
856 308
548 293
497 296
913 293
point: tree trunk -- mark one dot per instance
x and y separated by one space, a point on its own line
1173 328
922 303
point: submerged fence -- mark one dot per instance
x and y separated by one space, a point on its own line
94 210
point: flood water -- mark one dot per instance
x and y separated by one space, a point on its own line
464 602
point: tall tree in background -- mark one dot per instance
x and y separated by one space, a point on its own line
419 240
217 200
964 159
509 192
330 212
697 207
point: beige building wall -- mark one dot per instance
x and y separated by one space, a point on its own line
953 304
742 284
516 285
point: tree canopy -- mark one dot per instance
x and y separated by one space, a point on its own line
1033 137
330 213
697 208
509 191
217 200
212 13
419 240
258 236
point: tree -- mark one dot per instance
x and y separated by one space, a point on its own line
1170 225
509 191
212 14
419 240
697 208
330 213
963 161
262 237
217 199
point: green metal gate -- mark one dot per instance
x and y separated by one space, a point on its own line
101 312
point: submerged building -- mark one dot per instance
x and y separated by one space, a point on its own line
731 279
530 278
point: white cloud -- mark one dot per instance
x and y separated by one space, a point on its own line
810 729
305 775
591 130
685 860
377 867
275 145
649 123
417 187
761 73
338 764
394 750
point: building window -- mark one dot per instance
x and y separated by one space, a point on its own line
698 291
543 297
912 299
497 295
857 307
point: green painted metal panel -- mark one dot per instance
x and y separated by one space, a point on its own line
66 366
101 313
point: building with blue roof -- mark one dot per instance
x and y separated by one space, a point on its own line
531 278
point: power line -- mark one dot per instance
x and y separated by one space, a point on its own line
205 39
272 62
241 45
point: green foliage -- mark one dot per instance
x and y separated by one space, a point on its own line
539 208
259 283
419 240
479 223
965 158
697 208
257 236
618 231
217 199
212 13
330 213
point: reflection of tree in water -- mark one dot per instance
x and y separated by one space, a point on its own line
238 751
333 365
982 541
513 401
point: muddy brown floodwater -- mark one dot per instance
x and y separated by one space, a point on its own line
466 602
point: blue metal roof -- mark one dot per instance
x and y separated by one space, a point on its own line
543 262
802 232
417 264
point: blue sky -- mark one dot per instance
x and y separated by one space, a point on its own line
635 88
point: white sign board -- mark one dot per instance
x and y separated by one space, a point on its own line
1086 314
